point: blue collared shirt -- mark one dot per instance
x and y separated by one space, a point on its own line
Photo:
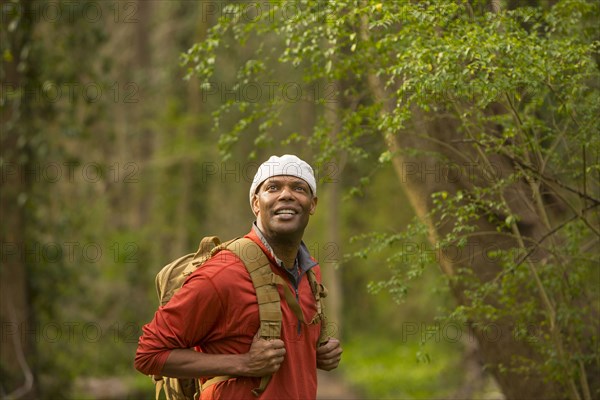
302 263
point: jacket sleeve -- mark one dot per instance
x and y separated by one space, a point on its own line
182 323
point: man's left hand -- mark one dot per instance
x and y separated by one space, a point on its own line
329 355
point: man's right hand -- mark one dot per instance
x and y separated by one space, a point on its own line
264 357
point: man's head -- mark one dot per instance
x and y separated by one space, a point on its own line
283 196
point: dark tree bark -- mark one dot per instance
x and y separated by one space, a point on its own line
421 177
16 349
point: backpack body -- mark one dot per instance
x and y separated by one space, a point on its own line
170 279
173 275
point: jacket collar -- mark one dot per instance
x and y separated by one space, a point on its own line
303 262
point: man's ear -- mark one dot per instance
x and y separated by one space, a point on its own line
313 205
255 206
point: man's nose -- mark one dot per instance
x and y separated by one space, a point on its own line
286 193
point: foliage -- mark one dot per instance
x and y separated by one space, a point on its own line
91 136
517 84
388 368
39 109
522 86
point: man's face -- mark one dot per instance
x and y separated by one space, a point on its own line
283 206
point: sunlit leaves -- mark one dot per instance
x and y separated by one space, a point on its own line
522 85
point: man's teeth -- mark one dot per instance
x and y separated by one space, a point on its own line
289 212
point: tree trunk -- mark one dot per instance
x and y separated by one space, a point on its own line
16 349
144 145
187 171
421 176
332 248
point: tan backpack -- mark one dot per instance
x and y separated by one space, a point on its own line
173 275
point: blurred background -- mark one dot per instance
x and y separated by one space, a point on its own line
116 160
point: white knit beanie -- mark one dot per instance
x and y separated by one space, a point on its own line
287 164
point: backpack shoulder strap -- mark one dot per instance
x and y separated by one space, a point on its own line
206 249
206 245
259 268
319 291
269 307
265 283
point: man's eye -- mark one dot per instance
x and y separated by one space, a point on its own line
300 189
271 187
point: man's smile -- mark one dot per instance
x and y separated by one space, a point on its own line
285 214
286 211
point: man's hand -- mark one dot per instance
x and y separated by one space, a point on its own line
264 357
329 355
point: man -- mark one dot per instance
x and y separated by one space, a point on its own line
216 309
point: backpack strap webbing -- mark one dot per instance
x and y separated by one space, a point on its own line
319 291
265 284
207 244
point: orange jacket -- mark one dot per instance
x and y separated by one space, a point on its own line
217 312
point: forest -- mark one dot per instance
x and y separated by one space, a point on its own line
456 145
